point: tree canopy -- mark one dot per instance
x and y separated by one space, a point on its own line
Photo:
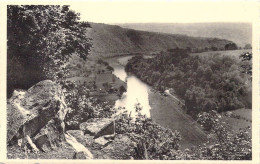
41 39
205 83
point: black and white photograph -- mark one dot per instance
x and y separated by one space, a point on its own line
122 80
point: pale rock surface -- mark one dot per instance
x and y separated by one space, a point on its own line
37 113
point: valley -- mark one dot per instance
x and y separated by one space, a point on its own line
97 91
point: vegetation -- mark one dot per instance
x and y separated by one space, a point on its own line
155 142
227 145
112 40
231 46
82 106
240 33
152 140
41 39
205 83
246 66
248 46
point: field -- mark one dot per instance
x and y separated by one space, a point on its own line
243 120
166 112
233 53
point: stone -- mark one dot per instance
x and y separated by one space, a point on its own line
102 141
99 127
79 135
37 113
79 155
121 147
79 148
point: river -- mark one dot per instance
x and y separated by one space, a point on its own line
165 110
137 91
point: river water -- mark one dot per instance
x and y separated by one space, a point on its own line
166 111
137 91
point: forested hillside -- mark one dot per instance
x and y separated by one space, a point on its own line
240 33
111 40
205 83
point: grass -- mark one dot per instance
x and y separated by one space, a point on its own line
245 113
233 53
244 121
166 112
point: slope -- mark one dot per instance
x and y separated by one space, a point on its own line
240 33
114 40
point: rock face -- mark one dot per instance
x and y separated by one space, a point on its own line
99 127
81 151
121 148
38 113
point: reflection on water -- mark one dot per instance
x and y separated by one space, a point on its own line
137 91
120 72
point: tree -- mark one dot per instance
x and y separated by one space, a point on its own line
231 46
122 89
248 46
41 38
246 65
224 144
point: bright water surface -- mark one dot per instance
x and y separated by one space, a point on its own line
164 110
137 91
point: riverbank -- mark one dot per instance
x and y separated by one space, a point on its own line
167 112
97 77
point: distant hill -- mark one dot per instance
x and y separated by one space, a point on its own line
240 33
113 40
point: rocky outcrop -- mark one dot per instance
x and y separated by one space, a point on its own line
81 151
99 127
37 113
36 121
121 148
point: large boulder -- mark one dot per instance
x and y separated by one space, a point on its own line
78 135
99 127
37 113
121 148
81 152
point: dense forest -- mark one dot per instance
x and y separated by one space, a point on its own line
41 39
205 83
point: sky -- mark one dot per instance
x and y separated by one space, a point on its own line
166 11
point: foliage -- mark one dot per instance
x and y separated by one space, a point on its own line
41 39
205 83
248 46
155 142
247 64
82 107
223 144
160 143
231 46
122 89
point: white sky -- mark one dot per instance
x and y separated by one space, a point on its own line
166 11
